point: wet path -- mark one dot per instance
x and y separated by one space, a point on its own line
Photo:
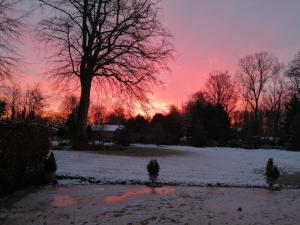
115 204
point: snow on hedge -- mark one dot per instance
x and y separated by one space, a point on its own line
197 166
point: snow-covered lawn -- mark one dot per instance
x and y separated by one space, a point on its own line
187 166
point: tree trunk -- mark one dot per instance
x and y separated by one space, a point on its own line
256 118
256 122
80 137
12 117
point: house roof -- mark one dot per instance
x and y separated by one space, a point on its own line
106 128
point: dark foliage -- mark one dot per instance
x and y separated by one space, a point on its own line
199 135
123 137
68 130
292 124
138 129
117 117
166 129
162 129
2 108
23 151
207 124
294 134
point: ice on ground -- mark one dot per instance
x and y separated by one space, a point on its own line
194 166
114 204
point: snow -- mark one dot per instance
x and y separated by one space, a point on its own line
106 128
193 166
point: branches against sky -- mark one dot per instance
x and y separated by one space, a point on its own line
10 30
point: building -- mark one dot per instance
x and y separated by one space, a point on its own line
104 133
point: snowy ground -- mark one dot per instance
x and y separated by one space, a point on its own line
179 165
114 204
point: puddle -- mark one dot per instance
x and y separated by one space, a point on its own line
60 200
96 189
138 192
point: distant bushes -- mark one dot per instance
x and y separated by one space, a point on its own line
23 151
161 129
123 137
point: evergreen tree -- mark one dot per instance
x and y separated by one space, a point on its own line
292 123
206 122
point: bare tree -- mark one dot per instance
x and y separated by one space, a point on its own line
220 89
254 73
120 43
98 114
293 72
13 96
274 101
117 116
69 106
35 102
10 29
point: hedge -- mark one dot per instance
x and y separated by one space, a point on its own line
23 151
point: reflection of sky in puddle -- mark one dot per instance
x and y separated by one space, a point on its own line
60 200
65 196
96 189
137 192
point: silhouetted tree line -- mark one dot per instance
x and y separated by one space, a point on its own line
257 109
18 104
260 107
161 129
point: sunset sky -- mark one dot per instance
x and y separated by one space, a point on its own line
208 35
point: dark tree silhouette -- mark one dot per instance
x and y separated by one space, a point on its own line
293 72
69 106
35 102
117 117
137 128
120 43
254 73
10 28
221 90
97 114
2 108
205 121
13 96
273 104
69 112
292 123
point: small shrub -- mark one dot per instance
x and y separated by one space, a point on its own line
272 172
153 170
